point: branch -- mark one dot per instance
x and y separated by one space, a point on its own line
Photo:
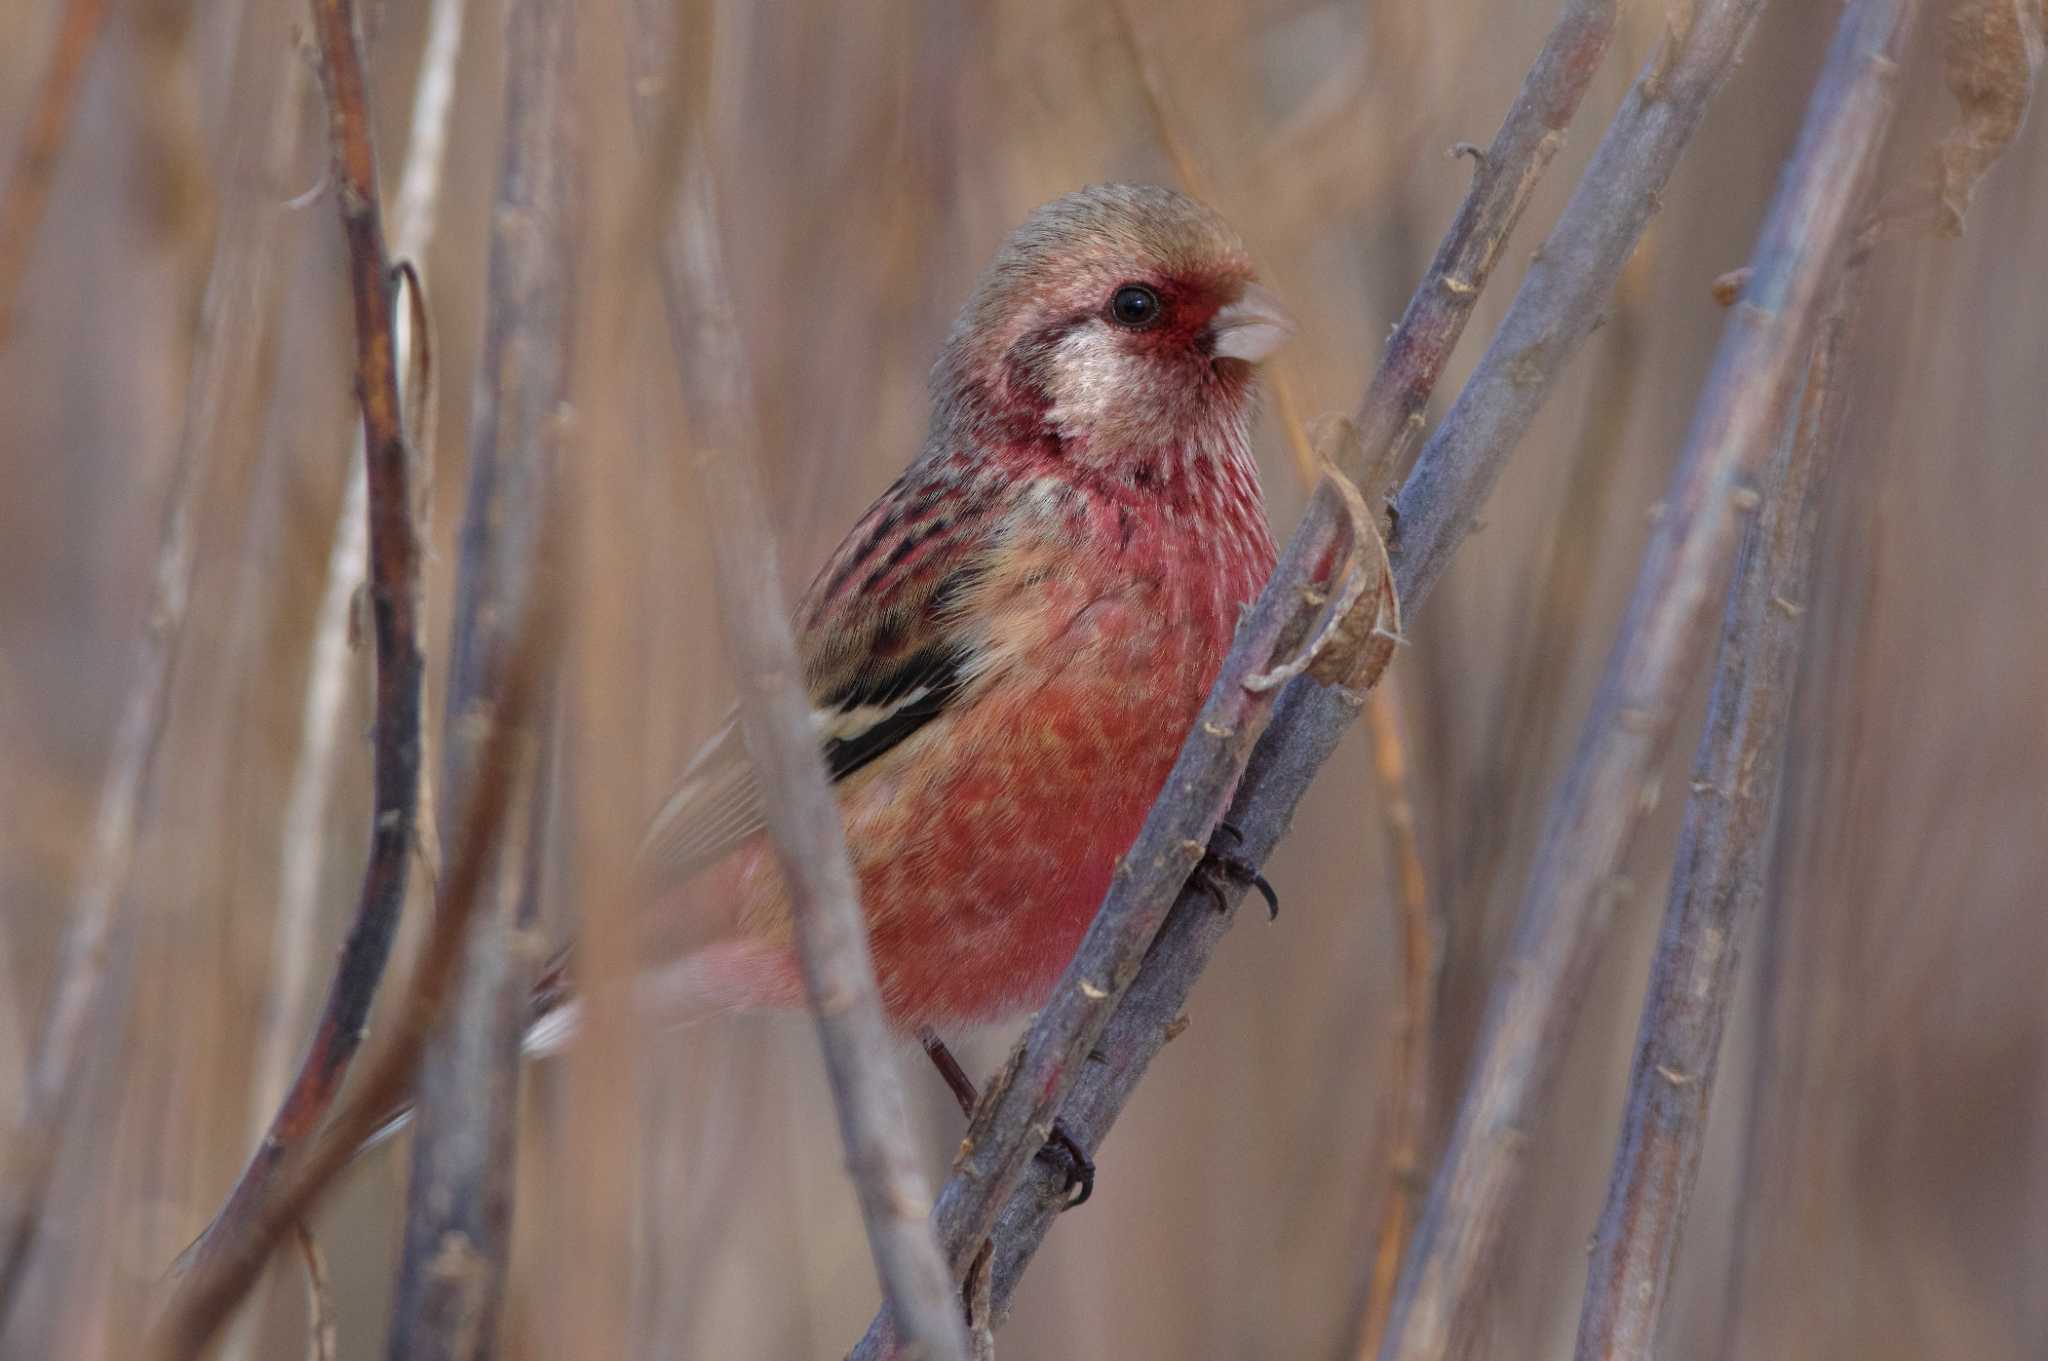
1413 1074
1584 32
1551 618
238 284
460 1202
80 999
1326 570
1281 767
1315 583
26 196
1560 300
1389 415
302 854
518 677
1575 884
1570 279
1723 852
775 717
394 556
321 1338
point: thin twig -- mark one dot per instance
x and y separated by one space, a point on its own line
1408 1089
394 562
1575 883
1552 617
460 1203
26 196
321 1338
1560 298
304 846
237 288
80 995
1389 418
415 206
216 1280
1718 880
803 816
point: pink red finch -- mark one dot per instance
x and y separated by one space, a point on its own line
1010 645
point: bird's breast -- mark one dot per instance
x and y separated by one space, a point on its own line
1105 632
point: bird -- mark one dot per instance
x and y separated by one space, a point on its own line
1005 653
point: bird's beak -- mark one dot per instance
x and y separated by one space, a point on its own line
1252 327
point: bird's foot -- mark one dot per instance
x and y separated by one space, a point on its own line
1063 1152
1223 865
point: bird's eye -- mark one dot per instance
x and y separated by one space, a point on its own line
1135 306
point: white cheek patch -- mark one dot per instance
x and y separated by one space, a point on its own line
1092 377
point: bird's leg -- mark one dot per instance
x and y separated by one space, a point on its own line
1220 866
961 1085
1061 1147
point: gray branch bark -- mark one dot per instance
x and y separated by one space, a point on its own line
775 715
1557 307
1723 855
451 1275
1575 883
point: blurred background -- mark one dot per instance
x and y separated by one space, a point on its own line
1876 1183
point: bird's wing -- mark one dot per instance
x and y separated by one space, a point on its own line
886 647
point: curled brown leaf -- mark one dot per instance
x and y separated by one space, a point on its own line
1991 54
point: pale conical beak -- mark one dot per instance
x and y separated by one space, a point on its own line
1252 327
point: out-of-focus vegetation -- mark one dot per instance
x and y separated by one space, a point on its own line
1876 1182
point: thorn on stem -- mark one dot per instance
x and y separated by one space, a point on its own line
1728 287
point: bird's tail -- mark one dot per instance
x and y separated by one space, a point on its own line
715 981
551 1018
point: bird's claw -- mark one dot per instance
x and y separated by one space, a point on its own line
1219 866
1062 1150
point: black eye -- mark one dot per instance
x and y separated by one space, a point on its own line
1135 306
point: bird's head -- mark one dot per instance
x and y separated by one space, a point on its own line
1116 321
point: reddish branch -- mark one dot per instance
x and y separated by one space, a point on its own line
216 1281
1575 883
1723 854
464 1146
395 612
26 196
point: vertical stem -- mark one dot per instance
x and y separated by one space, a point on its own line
1719 877
451 1277
1575 883
26 195
394 596
775 714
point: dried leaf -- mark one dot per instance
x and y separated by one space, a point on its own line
1991 52
1363 643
